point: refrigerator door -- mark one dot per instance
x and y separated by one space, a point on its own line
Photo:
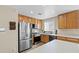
25 36
22 30
28 30
25 44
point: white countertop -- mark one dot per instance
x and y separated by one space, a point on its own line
57 46
67 35
47 34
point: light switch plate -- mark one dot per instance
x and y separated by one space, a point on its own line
2 29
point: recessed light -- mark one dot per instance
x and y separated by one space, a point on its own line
44 5
31 12
39 13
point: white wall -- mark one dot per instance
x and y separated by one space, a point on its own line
68 32
8 38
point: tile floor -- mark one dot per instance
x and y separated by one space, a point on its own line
57 46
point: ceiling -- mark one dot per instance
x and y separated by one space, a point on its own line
44 11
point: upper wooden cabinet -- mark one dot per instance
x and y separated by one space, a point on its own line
69 20
20 18
32 21
27 19
39 23
36 21
24 18
62 21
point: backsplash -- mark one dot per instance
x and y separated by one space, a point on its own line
51 32
36 31
68 31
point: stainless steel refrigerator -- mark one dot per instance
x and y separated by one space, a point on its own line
24 36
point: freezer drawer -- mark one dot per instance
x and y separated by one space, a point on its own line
25 44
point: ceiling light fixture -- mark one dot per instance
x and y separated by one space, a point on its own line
39 13
31 12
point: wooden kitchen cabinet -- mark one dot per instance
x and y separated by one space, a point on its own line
45 38
69 39
36 21
42 25
73 40
62 21
24 18
69 20
27 19
33 39
31 20
61 38
20 18
39 24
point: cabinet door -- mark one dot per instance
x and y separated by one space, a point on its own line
61 38
26 19
45 38
36 21
75 40
42 25
20 18
32 21
71 20
62 21
39 24
77 19
29 19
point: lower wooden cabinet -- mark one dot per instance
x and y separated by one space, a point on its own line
33 38
45 38
61 38
75 40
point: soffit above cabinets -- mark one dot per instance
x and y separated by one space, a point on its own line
44 11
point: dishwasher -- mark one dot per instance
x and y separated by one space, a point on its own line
37 39
52 37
